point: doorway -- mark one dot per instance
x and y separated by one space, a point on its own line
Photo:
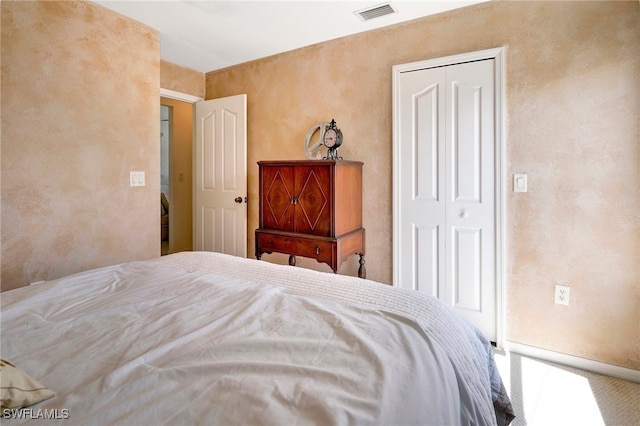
176 181
164 178
448 183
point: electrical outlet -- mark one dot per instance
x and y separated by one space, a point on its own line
563 293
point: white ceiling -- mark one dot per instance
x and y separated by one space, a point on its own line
214 34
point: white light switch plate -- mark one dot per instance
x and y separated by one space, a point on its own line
136 178
519 183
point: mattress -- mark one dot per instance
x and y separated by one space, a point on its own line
208 338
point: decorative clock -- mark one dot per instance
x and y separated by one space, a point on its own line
329 136
332 139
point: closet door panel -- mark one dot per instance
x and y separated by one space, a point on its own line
421 197
470 203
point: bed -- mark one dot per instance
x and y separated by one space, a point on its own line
208 338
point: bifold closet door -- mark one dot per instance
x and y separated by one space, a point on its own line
447 189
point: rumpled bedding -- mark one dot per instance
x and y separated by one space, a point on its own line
207 338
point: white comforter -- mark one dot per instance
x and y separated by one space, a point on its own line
205 338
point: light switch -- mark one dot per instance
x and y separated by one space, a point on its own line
519 183
136 178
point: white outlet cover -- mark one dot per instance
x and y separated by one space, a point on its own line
563 294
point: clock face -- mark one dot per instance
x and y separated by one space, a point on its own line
332 138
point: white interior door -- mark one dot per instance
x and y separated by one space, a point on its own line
445 210
220 188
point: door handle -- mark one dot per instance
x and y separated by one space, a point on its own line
464 213
238 200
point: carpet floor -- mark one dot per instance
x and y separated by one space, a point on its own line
543 393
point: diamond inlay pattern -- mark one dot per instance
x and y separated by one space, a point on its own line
312 199
278 198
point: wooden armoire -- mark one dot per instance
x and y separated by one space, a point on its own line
311 208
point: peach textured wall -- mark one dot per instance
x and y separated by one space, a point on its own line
80 109
181 185
181 79
572 84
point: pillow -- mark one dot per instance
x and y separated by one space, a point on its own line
18 389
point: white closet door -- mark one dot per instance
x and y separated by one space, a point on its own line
422 188
470 207
447 223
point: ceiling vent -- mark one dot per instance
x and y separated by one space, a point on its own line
375 11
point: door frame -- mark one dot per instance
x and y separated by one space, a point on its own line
172 94
178 96
170 164
498 55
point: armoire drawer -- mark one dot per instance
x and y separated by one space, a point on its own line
320 250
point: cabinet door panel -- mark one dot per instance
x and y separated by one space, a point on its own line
313 206
278 191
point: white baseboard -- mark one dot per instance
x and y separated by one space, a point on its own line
575 361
